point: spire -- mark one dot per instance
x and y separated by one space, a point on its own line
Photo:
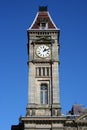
43 20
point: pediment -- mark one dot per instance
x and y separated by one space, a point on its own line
82 118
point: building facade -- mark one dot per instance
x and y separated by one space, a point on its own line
43 110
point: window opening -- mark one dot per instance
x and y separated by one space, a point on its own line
44 94
47 71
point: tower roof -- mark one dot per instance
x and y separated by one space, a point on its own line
43 20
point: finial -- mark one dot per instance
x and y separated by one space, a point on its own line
42 8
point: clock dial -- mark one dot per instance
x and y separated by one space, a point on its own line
43 51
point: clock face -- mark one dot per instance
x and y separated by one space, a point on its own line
43 51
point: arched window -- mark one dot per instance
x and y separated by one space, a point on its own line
44 94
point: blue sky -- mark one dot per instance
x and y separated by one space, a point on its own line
15 18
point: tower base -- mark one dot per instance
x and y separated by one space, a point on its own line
43 110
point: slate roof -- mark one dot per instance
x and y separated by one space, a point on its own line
43 16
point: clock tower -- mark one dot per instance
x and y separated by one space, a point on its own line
43 110
43 65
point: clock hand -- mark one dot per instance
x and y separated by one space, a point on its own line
45 49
